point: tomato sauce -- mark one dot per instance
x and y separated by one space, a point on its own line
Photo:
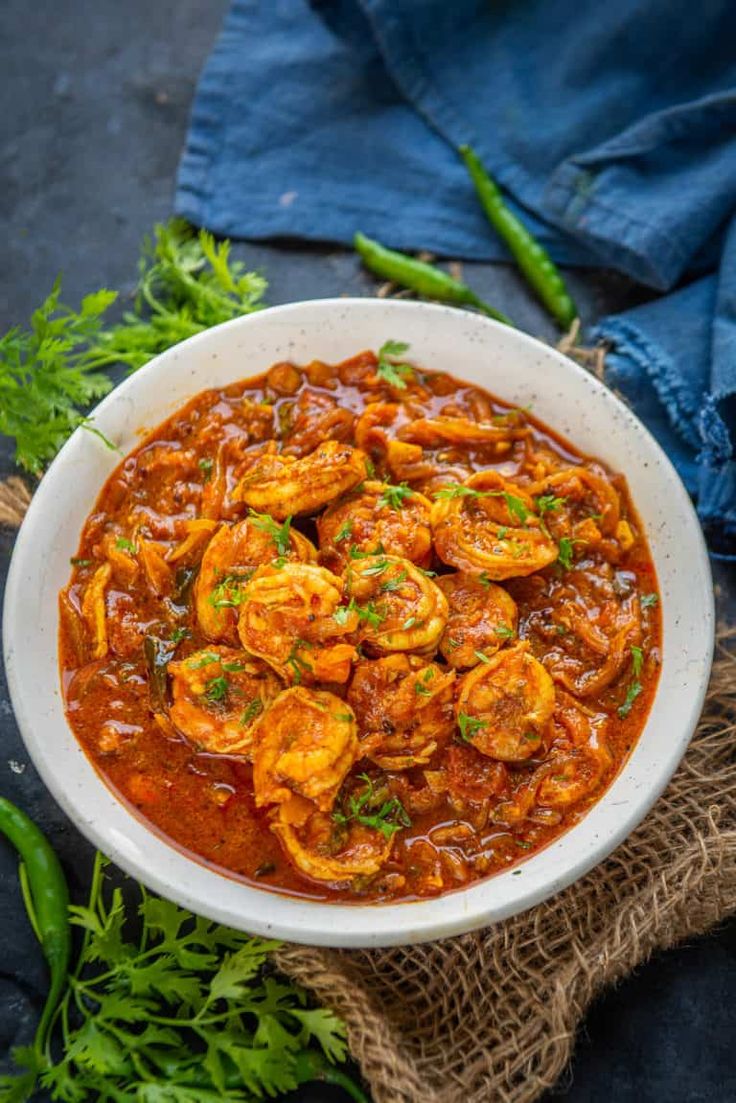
483 637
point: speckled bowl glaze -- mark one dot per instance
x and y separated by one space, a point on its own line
513 366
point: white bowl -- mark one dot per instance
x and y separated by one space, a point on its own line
511 365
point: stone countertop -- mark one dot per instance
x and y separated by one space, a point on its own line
97 96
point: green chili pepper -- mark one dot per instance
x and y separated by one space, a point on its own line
534 261
425 279
46 897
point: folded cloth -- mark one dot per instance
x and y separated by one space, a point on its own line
611 127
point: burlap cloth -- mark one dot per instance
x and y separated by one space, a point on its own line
492 1016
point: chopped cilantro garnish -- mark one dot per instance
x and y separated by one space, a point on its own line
504 631
179 634
123 544
516 507
77 562
278 533
393 373
484 579
254 709
228 593
408 623
197 662
375 568
547 503
216 688
393 496
342 615
457 490
635 688
394 583
233 667
481 656
371 809
370 614
469 725
647 600
295 661
357 553
345 530
564 552
205 465
631 695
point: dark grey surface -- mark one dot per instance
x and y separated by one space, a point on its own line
96 97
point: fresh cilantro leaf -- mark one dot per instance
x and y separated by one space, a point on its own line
298 665
374 569
394 583
469 725
123 544
565 553
205 465
371 808
207 657
547 503
394 496
504 631
229 593
637 661
249 714
216 689
632 693
278 533
345 531
393 373
648 601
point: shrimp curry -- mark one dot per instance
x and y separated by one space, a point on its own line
359 632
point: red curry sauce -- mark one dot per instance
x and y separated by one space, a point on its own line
359 633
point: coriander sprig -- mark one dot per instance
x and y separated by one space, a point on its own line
390 368
50 373
183 1012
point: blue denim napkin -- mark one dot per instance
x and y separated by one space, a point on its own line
611 126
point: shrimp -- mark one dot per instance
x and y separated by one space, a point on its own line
93 609
505 705
305 744
488 525
394 519
580 489
483 616
292 617
579 765
576 764
283 485
460 431
313 417
404 710
399 607
608 628
230 559
218 695
327 851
